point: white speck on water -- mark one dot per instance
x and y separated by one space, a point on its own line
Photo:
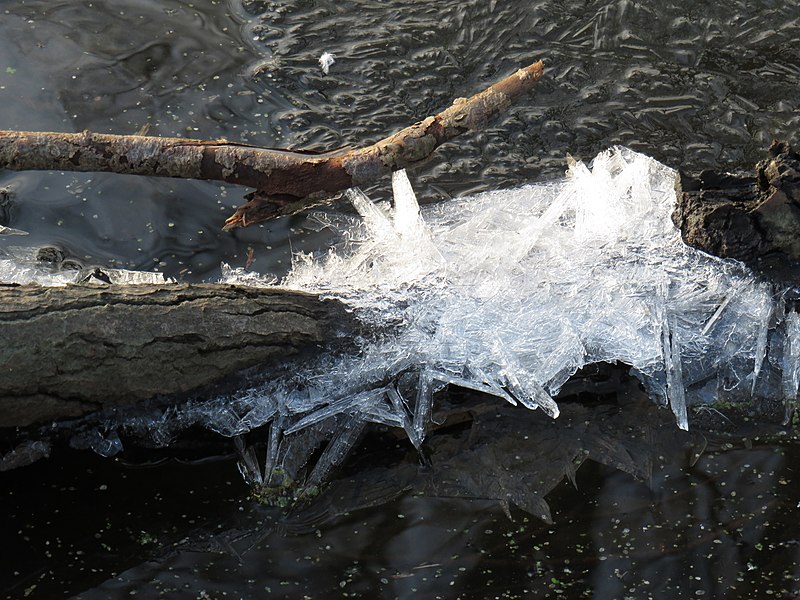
326 60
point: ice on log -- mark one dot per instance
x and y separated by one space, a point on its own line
510 293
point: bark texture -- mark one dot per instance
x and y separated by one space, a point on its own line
753 218
286 181
69 351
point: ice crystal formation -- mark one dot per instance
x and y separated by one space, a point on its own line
18 266
510 293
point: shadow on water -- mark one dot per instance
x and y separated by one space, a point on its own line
694 85
608 501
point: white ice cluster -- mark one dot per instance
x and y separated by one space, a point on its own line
326 61
511 292
23 272
19 266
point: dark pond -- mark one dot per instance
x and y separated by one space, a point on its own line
651 513
696 85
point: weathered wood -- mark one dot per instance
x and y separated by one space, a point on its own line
753 218
286 181
68 351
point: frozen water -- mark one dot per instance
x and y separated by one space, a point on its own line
248 462
325 61
676 393
508 293
19 266
511 292
16 271
338 448
105 445
791 362
9 231
763 315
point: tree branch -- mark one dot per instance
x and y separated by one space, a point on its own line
286 181
68 351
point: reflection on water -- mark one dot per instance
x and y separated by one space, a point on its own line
693 521
115 68
695 85
118 67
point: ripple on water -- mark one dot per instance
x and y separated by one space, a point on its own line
695 86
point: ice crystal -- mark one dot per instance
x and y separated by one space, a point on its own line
10 231
326 61
790 379
19 266
511 292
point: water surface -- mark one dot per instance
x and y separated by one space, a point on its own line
695 85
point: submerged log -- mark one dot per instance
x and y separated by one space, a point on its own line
753 218
286 181
72 350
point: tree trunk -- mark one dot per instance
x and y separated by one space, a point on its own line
72 350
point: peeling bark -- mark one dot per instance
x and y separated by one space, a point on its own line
72 350
285 181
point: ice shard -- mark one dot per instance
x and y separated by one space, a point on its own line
422 408
401 410
367 403
407 220
791 362
337 449
762 314
248 463
276 429
19 266
676 393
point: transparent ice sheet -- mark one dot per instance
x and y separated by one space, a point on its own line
18 265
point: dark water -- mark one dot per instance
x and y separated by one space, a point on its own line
722 527
696 85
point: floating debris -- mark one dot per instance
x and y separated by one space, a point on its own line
326 60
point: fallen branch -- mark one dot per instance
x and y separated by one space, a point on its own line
69 351
286 181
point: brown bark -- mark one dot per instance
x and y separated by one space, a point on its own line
72 350
285 181
753 218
